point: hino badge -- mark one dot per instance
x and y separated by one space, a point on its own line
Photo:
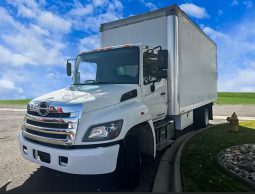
155 73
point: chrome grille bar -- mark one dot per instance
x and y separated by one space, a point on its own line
47 140
50 130
52 120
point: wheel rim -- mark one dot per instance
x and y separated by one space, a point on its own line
206 117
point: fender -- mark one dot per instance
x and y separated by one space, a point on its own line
133 112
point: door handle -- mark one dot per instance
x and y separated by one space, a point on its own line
162 93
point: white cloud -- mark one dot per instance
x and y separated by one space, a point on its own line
98 3
8 86
150 5
10 58
36 43
26 12
81 10
248 4
53 22
234 3
241 80
99 12
236 48
194 10
35 51
89 43
46 19
220 12
5 18
213 33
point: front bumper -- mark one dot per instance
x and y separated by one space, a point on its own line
99 160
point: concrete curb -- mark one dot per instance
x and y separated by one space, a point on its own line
164 182
240 118
168 177
177 163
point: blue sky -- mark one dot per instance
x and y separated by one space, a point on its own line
36 37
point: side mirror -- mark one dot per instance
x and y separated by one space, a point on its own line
163 59
68 68
162 73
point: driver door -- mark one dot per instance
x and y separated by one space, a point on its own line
155 100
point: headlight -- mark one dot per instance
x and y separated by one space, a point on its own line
104 131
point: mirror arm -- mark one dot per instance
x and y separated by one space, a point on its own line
152 49
71 60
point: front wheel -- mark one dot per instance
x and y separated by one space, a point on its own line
130 162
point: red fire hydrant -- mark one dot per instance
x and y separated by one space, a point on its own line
234 122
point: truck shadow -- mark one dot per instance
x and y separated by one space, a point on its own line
47 180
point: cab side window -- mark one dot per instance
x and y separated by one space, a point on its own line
150 67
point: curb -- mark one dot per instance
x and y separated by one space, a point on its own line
240 118
164 182
165 179
177 163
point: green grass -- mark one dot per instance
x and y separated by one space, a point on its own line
235 98
200 170
14 102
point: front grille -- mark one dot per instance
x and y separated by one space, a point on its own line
42 134
53 115
52 128
48 125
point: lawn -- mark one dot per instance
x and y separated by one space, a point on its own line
14 102
200 170
235 98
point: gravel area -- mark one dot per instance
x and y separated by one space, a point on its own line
240 160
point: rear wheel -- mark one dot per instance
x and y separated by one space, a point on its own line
201 117
205 119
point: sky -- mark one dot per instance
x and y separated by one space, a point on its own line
37 36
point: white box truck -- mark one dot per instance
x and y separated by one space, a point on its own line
155 73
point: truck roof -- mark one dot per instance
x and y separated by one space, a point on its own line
114 47
166 11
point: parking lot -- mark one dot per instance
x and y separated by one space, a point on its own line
18 174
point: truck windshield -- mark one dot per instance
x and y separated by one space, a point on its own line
115 66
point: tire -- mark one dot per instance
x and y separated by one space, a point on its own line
205 118
132 162
201 117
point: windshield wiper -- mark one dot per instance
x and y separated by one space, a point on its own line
93 83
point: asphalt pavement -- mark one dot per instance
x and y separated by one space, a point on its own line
18 174
240 110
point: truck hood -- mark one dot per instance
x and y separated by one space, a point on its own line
93 97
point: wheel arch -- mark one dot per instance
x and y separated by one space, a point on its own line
146 137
